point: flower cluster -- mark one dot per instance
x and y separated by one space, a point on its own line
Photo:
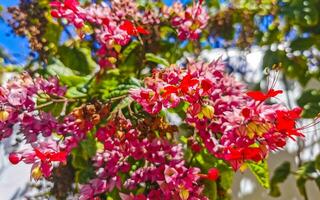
18 106
42 155
144 159
112 24
190 21
234 124
115 24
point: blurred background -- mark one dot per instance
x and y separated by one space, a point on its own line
250 36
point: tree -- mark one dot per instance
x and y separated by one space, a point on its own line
111 108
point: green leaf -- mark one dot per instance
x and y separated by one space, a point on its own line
317 180
210 189
317 162
307 168
226 178
74 80
77 59
301 184
123 103
302 43
128 50
57 68
280 175
261 172
156 59
309 101
89 147
73 92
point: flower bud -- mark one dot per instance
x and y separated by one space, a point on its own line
4 115
213 174
14 158
36 173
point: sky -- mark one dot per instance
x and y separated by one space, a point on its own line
16 46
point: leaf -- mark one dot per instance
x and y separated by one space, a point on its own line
317 180
73 92
210 189
89 147
226 178
128 50
57 68
77 59
261 172
302 43
74 80
307 168
123 103
280 175
317 162
309 101
301 184
156 59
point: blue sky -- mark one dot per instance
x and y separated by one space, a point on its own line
16 46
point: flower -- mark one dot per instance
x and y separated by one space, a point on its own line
42 155
213 174
260 96
190 22
233 124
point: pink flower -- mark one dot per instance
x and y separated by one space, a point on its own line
191 22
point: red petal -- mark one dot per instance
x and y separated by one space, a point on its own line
141 30
187 82
273 93
257 95
40 155
128 26
145 95
60 156
245 112
206 85
169 90
254 154
55 13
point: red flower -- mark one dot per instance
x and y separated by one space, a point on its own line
51 156
206 85
286 121
213 174
237 156
131 29
184 86
260 96
246 112
14 158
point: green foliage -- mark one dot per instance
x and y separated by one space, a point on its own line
77 59
81 159
309 101
261 172
156 59
280 175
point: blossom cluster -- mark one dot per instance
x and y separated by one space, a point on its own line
115 24
190 21
19 112
233 123
144 159
18 106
